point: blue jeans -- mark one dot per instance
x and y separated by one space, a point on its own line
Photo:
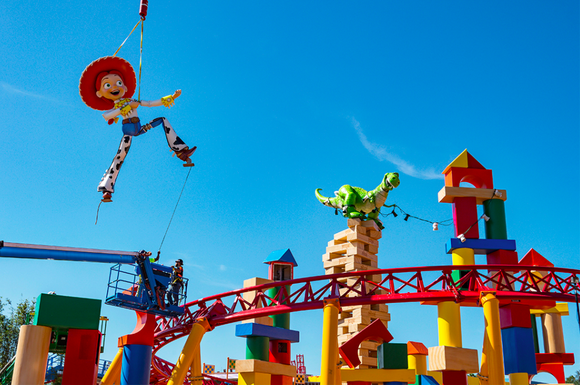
173 293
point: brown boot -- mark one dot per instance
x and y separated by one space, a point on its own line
186 153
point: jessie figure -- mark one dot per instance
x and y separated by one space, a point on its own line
108 84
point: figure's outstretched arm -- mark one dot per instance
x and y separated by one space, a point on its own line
166 101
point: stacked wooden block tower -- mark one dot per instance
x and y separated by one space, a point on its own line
355 249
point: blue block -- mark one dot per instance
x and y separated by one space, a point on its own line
480 246
136 366
427 380
395 383
272 332
518 350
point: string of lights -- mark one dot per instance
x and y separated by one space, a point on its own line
436 224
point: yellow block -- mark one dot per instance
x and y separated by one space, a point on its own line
560 308
449 324
518 379
450 358
417 362
463 256
259 366
254 378
472 380
377 375
461 161
438 376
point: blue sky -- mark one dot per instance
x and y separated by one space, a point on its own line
282 98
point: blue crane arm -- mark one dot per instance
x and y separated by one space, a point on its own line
22 250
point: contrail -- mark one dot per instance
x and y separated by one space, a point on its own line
382 154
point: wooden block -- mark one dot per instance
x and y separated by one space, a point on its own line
392 356
465 216
437 376
343 234
356 237
251 295
502 257
259 366
447 194
450 358
515 315
377 375
453 377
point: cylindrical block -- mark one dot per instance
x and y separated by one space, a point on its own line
329 355
492 344
553 333
113 374
190 352
418 362
449 324
136 364
518 379
257 348
463 256
280 320
31 355
495 227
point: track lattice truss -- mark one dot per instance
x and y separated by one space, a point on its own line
414 284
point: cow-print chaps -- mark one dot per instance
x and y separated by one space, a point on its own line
110 176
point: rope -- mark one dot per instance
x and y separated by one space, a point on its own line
178 199
118 49
98 208
140 59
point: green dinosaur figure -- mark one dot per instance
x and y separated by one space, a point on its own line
356 202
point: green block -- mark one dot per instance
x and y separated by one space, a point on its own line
457 275
496 227
62 312
280 320
392 356
258 348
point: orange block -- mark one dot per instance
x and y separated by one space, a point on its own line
417 348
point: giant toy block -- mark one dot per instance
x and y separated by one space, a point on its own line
258 372
377 375
376 332
250 297
451 358
518 350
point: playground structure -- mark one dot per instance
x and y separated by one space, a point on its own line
356 292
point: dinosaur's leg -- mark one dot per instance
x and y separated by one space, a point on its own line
374 215
349 196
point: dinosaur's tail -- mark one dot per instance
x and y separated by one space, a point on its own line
330 202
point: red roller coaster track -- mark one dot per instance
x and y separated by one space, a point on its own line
414 284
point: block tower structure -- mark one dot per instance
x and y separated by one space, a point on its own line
268 339
355 249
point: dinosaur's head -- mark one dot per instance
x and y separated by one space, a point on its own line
391 180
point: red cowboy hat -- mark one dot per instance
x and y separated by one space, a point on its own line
88 84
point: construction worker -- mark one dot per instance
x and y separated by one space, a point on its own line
175 284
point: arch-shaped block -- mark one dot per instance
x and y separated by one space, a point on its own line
478 178
143 332
376 331
556 370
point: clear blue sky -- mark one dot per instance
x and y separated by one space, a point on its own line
282 98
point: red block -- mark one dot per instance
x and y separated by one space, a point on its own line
376 331
555 358
515 315
502 257
82 357
143 333
478 178
465 215
533 258
556 370
454 377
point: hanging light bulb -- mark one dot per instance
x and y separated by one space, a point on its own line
406 217
461 238
485 217
394 213
435 226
